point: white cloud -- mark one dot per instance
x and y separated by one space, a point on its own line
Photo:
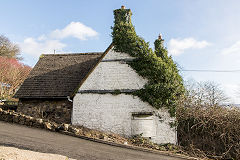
74 29
42 37
35 47
234 49
50 42
178 46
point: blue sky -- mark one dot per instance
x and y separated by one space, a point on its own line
199 34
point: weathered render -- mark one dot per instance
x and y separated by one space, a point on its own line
104 102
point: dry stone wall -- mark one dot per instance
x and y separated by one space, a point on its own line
78 131
82 132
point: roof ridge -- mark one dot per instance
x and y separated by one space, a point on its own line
72 54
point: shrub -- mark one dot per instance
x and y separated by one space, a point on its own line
212 131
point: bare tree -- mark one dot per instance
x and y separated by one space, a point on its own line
214 94
8 49
204 94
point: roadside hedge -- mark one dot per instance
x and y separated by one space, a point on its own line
210 132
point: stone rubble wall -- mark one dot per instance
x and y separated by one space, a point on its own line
19 118
113 113
78 131
137 143
57 110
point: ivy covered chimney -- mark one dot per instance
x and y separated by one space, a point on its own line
165 87
160 50
122 15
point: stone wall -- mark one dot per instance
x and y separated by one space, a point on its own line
97 106
136 143
114 113
113 73
58 110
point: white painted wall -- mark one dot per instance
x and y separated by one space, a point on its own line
113 113
113 75
116 55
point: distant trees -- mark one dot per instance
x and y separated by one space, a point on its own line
204 94
8 49
12 72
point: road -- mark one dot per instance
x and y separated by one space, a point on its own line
50 142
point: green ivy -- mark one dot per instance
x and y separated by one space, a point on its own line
116 92
165 85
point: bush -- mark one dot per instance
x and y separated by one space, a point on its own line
213 132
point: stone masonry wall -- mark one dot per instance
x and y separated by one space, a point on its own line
82 132
112 73
113 113
58 110
95 106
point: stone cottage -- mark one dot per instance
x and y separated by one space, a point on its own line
93 90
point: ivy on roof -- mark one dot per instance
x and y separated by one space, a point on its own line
165 85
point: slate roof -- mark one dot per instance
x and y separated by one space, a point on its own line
58 76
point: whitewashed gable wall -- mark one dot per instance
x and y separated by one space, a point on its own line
111 74
113 113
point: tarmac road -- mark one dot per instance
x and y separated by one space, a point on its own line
39 140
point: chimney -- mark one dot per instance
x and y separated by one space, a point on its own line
160 36
122 15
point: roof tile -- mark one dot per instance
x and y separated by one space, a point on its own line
58 75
